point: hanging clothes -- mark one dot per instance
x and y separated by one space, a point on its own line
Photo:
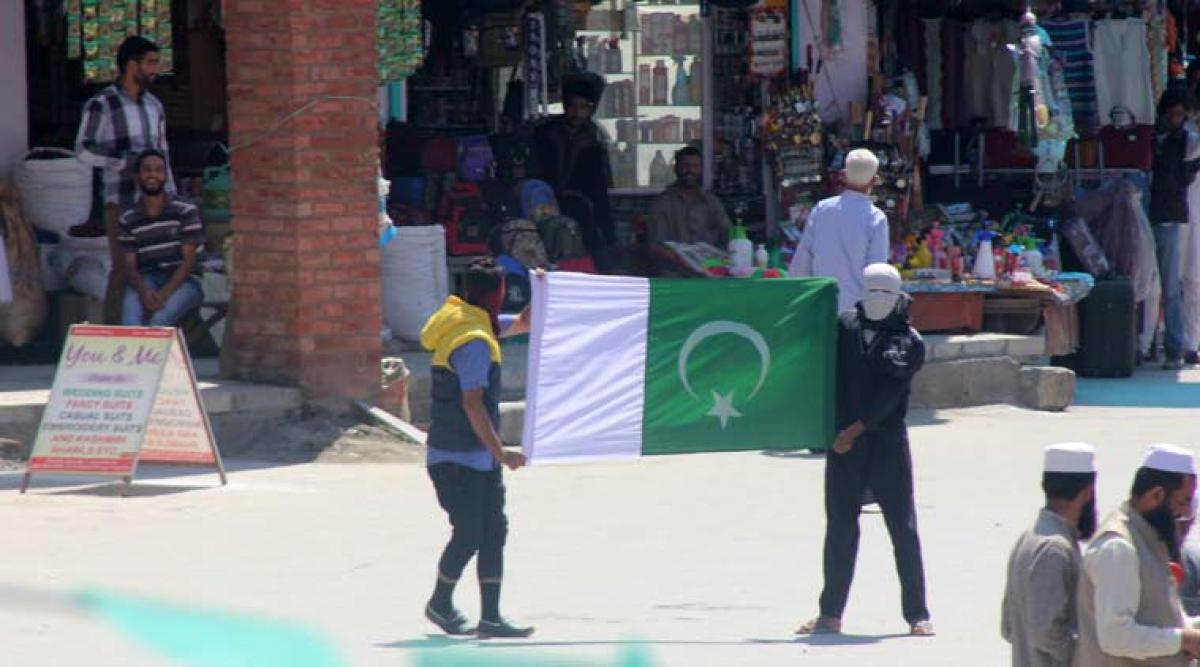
954 112
1123 77
1189 260
1040 106
933 73
1162 38
6 289
1071 39
989 70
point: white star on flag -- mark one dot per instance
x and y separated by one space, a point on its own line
723 408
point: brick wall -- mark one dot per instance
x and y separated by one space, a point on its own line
306 297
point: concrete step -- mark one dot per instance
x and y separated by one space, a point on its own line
1024 349
239 412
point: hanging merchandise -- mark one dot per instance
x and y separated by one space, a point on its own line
96 29
1041 108
501 40
793 134
768 43
831 21
535 64
401 39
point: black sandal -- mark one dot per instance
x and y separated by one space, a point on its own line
452 624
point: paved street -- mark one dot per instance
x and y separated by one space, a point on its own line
699 560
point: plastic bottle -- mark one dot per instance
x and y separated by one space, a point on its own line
681 93
696 81
761 259
985 262
644 83
741 250
660 82
679 36
660 171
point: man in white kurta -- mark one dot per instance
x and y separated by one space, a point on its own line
845 234
1129 608
1038 613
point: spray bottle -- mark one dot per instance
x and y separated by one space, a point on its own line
741 250
985 262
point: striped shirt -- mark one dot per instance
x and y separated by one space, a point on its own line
114 130
158 239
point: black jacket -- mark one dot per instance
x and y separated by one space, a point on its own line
1172 175
874 380
576 165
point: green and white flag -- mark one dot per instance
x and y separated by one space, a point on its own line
625 367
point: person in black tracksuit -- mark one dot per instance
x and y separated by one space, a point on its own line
878 355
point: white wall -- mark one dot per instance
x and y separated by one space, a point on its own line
843 78
14 102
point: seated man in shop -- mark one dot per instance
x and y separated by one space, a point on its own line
685 212
160 237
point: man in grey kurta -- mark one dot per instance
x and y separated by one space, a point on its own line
1038 615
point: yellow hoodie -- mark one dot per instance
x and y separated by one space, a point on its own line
455 324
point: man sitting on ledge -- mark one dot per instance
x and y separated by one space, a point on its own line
160 237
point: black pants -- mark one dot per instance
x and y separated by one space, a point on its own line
474 500
884 465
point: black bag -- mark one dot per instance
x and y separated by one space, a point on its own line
1107 332
561 238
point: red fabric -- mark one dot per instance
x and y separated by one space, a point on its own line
1128 147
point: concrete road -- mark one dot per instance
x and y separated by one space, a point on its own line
698 560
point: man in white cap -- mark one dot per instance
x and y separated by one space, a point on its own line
878 354
1128 603
1038 613
1189 557
846 233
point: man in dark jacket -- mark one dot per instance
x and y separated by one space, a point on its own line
1172 173
878 355
572 156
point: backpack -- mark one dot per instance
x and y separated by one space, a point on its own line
440 153
562 238
537 200
521 240
466 218
475 159
517 290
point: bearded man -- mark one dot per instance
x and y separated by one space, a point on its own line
1038 614
1128 602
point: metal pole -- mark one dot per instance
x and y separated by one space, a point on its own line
707 98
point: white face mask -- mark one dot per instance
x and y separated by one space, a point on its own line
878 305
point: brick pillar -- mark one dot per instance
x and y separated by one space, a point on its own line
306 298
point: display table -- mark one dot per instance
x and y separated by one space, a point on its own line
946 308
960 307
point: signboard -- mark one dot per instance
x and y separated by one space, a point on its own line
122 395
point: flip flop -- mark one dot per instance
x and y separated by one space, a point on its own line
452 624
821 626
922 629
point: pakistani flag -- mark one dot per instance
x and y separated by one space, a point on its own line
625 367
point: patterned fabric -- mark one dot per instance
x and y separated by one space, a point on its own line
1071 47
401 43
114 130
158 240
933 72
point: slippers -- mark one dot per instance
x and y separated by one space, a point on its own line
822 625
453 623
922 629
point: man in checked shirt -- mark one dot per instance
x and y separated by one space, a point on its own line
119 123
